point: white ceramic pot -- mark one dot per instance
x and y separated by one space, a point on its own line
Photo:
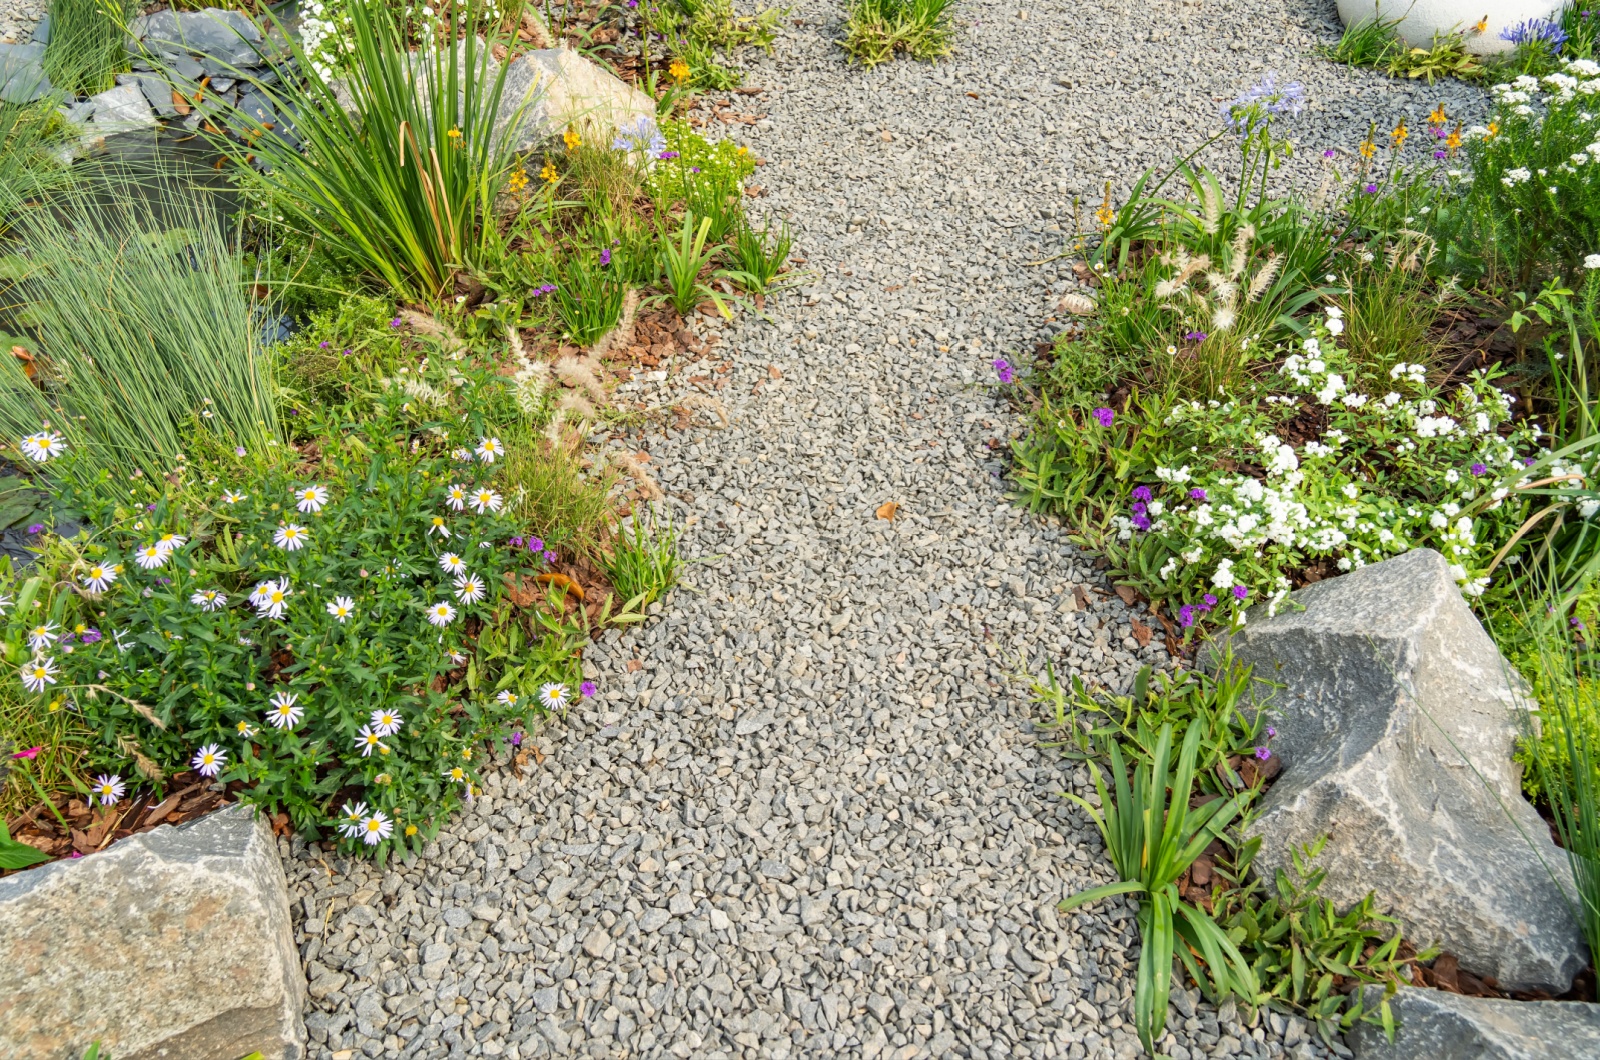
1421 19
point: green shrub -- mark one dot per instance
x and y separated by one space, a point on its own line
1370 42
875 29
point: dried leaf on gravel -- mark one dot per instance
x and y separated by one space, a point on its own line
888 510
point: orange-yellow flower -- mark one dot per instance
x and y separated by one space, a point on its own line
1367 149
679 71
548 174
571 138
1398 134
1437 115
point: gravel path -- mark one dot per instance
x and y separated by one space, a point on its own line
808 813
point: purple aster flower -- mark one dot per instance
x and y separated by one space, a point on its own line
395 322
588 689
605 257
1263 753
1479 469
1002 369
1186 616
1196 336
1141 493
38 528
324 344
1105 416
91 636
1240 592
1197 494
1370 189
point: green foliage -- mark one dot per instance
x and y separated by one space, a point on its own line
568 511
587 299
324 591
682 263
30 137
876 29
643 561
406 184
86 49
15 855
1152 839
1370 42
1445 56
706 179
761 254
148 344
705 34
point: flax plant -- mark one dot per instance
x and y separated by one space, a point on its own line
146 339
401 173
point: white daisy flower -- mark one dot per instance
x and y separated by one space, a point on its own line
170 543
457 774
456 497
469 589
109 790
311 499
486 500
452 563
507 698
386 722
39 673
341 608
291 538
5 603
350 815
42 446
553 695
368 741
489 450
376 829
233 496
436 525
42 636
461 455
246 729
209 760
441 614
284 713
459 658
271 597
209 600
98 578
151 556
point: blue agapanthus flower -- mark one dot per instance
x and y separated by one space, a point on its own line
1265 99
642 135
1536 32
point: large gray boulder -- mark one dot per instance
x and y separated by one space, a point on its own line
1396 719
175 943
551 88
1435 1025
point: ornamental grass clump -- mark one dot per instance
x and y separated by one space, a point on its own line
310 625
876 29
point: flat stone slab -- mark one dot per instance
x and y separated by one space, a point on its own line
1396 721
174 944
1436 1025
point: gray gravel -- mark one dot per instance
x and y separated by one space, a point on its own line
809 813
17 19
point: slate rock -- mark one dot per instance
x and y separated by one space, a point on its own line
22 76
1436 1025
120 109
174 943
1387 680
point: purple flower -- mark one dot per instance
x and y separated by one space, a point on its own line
1141 493
324 344
1002 369
1186 616
605 257
1210 601
516 739
1527 461
395 322
238 450
1271 732
1196 336
549 557
1197 494
588 689
633 3
1263 753
30 754
1537 33
347 351
1370 189
1138 508
1329 153
694 169
667 156
1438 154
38 528
1479 469
1141 520
1240 592
1242 114
163 581
535 544
1105 416
90 636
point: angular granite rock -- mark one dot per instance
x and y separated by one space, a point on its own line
1390 687
556 87
175 944
1435 1025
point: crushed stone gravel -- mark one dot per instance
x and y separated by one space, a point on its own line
809 812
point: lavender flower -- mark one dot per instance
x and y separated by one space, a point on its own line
1141 521
1538 33
1195 336
1186 616
1197 494
1003 370
395 322
1104 416
605 257
1271 732
1263 753
1210 601
667 156
642 135
516 739
324 344
588 689
1141 493
1370 189
1262 102
1240 592
38 528
1479 469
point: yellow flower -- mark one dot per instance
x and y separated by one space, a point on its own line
1437 115
1482 25
455 137
1105 215
743 150
548 174
1398 134
1367 148
1453 141
679 71
518 180
1494 128
411 829
571 138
